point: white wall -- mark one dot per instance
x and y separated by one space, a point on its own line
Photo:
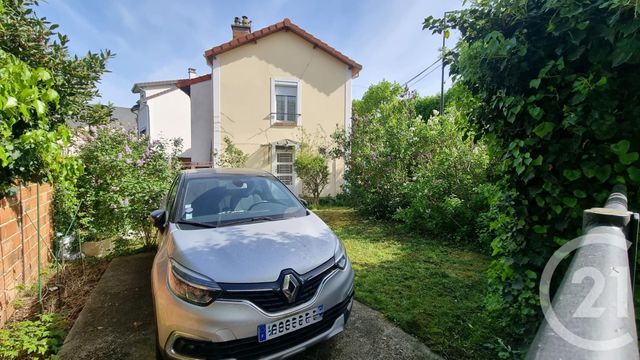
201 121
169 115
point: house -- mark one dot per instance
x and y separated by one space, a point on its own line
164 112
264 87
123 117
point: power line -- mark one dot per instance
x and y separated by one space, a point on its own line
424 76
421 72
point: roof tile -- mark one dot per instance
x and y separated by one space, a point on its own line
287 25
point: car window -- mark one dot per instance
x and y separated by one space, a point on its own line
228 198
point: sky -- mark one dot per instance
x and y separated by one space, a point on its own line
159 39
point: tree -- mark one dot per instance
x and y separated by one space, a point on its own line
41 87
559 99
35 41
312 169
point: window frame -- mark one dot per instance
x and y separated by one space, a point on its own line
274 108
170 201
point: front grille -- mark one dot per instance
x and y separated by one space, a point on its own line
270 298
250 348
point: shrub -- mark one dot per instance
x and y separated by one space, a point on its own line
125 177
231 156
560 102
34 339
312 169
427 173
447 192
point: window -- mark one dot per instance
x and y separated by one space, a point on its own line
285 102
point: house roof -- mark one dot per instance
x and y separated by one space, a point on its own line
185 84
124 117
285 24
139 86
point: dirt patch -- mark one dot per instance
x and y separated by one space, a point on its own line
65 291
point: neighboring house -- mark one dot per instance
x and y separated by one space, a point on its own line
263 87
121 117
164 112
124 118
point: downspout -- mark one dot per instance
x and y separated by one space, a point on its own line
38 240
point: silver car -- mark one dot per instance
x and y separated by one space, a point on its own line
244 270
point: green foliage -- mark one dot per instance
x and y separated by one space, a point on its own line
125 177
98 114
35 41
34 339
449 186
311 158
312 169
231 156
31 147
426 173
41 86
559 100
427 106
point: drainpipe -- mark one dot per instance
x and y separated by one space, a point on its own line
38 240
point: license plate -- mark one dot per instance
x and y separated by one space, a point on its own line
289 324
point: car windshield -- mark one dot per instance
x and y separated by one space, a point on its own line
227 199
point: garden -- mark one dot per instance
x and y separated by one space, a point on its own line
448 218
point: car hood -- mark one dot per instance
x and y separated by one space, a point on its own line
250 253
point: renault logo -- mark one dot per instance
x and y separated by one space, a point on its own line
290 287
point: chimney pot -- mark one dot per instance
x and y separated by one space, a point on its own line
192 73
240 27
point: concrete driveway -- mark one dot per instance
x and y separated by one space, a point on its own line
118 323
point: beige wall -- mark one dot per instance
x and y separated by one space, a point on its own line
245 76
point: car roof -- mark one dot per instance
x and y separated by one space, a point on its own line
209 172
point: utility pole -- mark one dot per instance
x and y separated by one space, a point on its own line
444 37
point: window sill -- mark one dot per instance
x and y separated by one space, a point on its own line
284 123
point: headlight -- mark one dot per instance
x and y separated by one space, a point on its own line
340 256
191 286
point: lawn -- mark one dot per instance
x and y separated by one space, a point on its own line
429 288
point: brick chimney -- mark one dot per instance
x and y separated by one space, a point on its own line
192 73
240 26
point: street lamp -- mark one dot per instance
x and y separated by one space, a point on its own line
444 37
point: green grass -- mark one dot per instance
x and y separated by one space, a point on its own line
429 288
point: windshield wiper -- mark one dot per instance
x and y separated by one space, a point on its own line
196 223
248 220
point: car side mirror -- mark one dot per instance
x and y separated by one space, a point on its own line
158 218
304 202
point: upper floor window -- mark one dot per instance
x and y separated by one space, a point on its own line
285 102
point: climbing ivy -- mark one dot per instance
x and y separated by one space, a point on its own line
559 99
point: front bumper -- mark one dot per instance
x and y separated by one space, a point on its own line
228 329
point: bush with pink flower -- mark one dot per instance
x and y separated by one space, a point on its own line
125 176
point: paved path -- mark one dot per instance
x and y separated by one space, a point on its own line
117 323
